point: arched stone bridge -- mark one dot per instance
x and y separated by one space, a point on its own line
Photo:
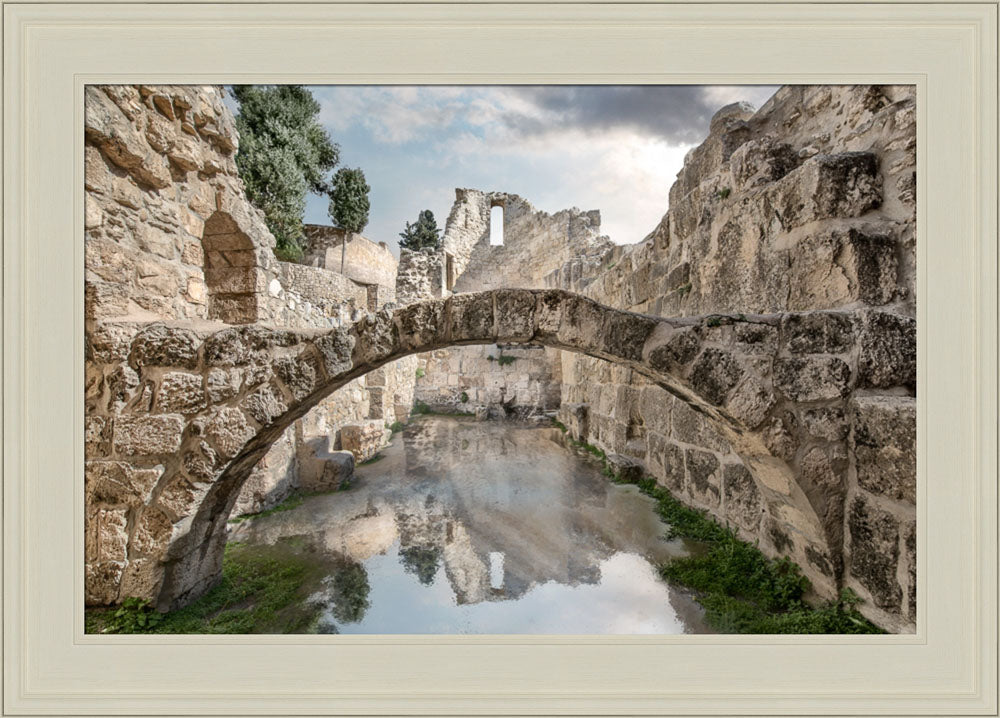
179 414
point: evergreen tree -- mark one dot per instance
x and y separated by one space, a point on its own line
424 234
349 203
284 154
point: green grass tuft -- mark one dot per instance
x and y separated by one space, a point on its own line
263 590
292 502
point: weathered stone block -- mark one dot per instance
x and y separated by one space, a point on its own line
692 427
160 345
515 315
96 436
582 320
338 468
624 468
818 333
884 442
714 375
575 418
743 502
751 402
828 423
680 349
102 581
142 577
152 533
222 384
376 338
654 408
874 552
470 317
762 161
179 497
229 431
108 128
625 334
888 350
421 325
703 476
362 440
148 434
300 373
812 378
754 338
116 482
180 393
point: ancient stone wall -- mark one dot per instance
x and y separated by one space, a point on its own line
168 232
169 235
505 380
364 261
535 244
420 275
807 204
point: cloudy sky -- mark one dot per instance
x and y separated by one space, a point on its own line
612 148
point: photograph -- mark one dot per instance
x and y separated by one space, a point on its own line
500 359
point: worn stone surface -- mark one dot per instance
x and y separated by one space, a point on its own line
362 440
874 552
884 443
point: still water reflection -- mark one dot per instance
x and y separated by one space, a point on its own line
484 527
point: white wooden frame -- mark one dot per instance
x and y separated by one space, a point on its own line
949 50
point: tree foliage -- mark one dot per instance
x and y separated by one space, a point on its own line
424 234
284 154
349 203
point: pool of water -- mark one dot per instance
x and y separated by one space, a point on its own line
484 527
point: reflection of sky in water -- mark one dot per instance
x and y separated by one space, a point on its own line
485 527
630 598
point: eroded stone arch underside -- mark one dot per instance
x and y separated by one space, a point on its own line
193 408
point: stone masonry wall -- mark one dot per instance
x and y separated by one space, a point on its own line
169 235
365 261
535 244
462 379
806 204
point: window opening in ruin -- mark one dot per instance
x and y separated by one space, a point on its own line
496 226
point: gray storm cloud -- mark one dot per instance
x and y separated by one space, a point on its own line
678 114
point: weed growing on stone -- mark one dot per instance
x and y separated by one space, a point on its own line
420 407
741 589
371 460
684 289
724 193
396 427
293 501
420 372
463 397
263 590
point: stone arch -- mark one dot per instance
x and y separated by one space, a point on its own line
232 274
231 393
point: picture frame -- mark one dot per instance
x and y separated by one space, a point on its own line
51 51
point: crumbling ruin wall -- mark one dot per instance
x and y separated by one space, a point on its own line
535 244
806 204
169 235
364 261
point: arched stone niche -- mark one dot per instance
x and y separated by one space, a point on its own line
232 274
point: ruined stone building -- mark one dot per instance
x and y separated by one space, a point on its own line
770 382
